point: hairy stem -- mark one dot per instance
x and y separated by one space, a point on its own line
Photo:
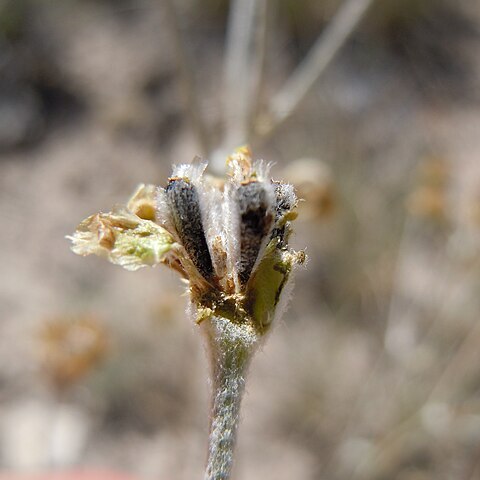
231 346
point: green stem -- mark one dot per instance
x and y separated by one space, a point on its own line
231 346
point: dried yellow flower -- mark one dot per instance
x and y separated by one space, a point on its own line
123 238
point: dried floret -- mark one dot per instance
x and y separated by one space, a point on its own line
122 238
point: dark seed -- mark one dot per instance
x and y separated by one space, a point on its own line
183 201
256 218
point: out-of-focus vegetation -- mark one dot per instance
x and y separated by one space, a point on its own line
374 372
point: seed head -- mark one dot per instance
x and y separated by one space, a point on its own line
227 237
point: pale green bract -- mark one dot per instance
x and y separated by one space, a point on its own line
267 282
122 238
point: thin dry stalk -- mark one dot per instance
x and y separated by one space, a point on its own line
257 68
238 61
464 354
188 83
243 73
302 80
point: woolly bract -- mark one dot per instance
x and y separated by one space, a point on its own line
227 237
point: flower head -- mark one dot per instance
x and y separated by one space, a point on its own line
227 237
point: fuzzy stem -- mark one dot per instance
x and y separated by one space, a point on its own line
231 347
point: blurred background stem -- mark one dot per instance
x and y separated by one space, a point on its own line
302 80
231 347
185 64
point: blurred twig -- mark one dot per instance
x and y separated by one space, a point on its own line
243 72
466 353
257 67
184 65
452 371
301 81
440 300
244 28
